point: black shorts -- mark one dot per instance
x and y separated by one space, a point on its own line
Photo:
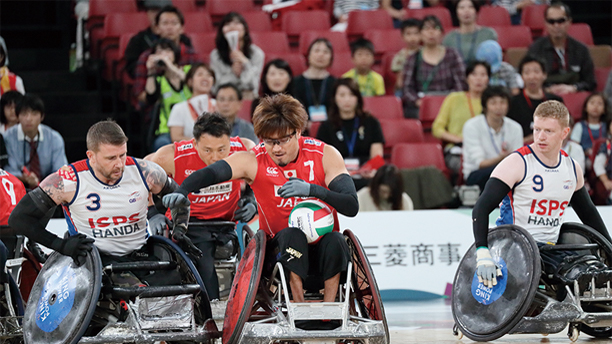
328 257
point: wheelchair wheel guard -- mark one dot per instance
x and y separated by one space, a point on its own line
366 293
244 288
63 300
485 314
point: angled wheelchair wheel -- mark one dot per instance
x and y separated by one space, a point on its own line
365 293
484 314
244 288
63 300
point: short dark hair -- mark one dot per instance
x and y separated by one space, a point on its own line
166 44
473 64
559 5
8 98
278 114
327 44
431 19
605 117
493 91
280 64
531 58
475 3
410 22
212 124
30 102
194 69
361 43
223 47
388 175
105 132
232 86
170 9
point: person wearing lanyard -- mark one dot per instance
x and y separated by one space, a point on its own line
469 35
488 139
353 132
592 125
522 106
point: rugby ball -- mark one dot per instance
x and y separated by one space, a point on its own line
313 217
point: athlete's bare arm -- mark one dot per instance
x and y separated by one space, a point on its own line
579 176
510 170
244 165
164 157
154 175
333 163
248 144
54 186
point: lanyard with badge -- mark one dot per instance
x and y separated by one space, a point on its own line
497 150
351 162
469 99
472 45
317 112
430 76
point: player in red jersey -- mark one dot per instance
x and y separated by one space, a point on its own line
11 192
285 169
210 144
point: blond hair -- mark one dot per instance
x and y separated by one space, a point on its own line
553 109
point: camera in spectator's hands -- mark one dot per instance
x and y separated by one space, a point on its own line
161 63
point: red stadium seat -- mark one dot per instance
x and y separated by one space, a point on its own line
257 21
493 16
185 5
115 25
574 103
513 36
245 110
414 155
338 40
296 22
581 32
385 41
389 75
441 12
430 107
601 55
359 22
219 8
271 42
98 9
384 107
601 75
514 56
296 61
342 63
203 43
314 128
196 22
533 16
401 131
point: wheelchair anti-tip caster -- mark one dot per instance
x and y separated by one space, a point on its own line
456 332
573 332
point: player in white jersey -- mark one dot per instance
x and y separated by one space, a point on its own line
104 199
536 183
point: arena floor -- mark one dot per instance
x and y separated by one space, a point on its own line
432 322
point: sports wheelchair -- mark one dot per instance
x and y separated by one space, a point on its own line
259 308
528 299
92 303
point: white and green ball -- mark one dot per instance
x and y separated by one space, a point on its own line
313 217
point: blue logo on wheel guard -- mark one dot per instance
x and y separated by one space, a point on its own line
56 299
485 295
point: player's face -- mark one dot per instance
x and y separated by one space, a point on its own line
212 149
283 148
548 135
108 162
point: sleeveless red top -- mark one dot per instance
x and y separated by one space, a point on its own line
274 210
216 202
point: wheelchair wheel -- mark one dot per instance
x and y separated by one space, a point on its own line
365 293
244 288
29 271
484 314
63 300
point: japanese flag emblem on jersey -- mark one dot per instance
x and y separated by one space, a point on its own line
290 174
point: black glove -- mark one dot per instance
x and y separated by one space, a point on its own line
158 223
245 211
179 236
37 252
76 246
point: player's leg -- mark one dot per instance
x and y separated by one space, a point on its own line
333 257
291 248
204 240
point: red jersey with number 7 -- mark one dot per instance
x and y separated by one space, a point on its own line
11 192
274 210
215 202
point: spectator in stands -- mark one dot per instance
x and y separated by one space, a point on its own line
200 80
342 8
370 83
241 61
488 139
229 102
515 7
166 84
355 133
502 73
147 38
34 149
3 153
277 77
469 35
569 63
8 113
602 166
574 149
434 69
399 14
593 123
608 88
313 87
523 105
385 192
457 108
8 81
411 34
